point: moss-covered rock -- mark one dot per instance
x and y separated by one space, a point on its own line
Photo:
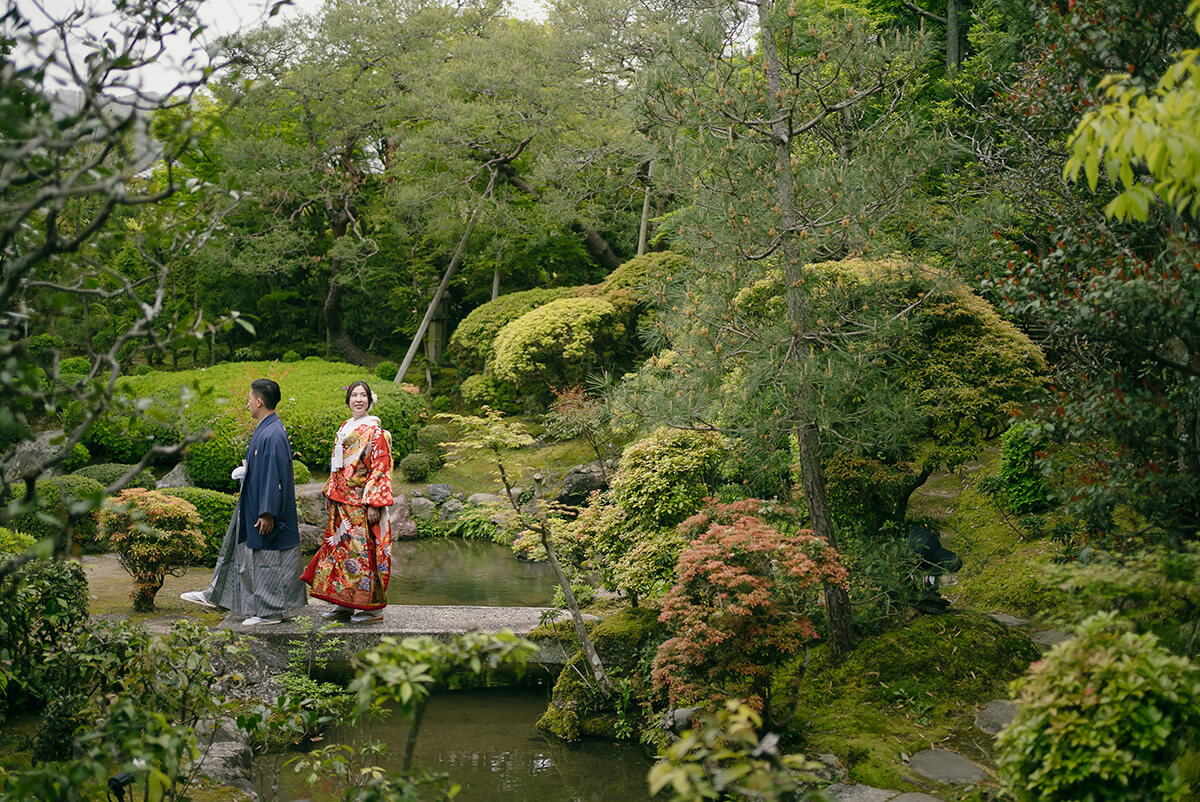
900 691
625 642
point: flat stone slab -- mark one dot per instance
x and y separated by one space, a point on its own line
946 767
1009 620
913 796
1049 637
406 620
859 793
995 715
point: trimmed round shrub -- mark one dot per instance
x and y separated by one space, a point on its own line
290 356
387 370
12 542
44 348
556 343
429 442
74 364
642 270
665 477
108 472
488 391
475 335
55 497
416 467
215 510
154 535
1103 717
43 603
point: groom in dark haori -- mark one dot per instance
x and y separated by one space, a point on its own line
258 571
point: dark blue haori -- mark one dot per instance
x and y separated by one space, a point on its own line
269 487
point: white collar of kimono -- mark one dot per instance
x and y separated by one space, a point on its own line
349 426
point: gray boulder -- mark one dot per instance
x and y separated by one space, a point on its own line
225 756
996 715
310 538
422 508
310 504
32 453
439 492
176 477
482 499
450 510
580 482
946 767
403 526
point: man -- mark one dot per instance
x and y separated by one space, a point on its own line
260 576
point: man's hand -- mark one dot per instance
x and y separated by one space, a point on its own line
265 523
373 515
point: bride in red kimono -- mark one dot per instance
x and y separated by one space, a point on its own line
352 566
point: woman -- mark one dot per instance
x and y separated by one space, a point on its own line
352 566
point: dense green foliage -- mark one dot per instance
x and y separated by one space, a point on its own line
416 467
107 473
60 498
1103 716
628 533
1021 481
557 343
215 510
153 535
312 409
44 601
474 337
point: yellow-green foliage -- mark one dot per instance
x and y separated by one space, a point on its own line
642 270
154 535
629 532
14 542
560 340
901 690
312 408
476 333
1102 717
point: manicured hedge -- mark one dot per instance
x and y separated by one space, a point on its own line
215 509
557 342
54 497
473 338
108 472
312 409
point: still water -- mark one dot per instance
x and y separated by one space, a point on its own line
466 572
486 741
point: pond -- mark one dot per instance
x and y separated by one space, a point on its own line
452 571
486 741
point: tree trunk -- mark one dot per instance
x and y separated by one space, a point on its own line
837 600
953 40
599 249
643 230
337 340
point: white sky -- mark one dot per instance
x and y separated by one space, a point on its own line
219 17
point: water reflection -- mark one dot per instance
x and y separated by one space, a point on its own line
462 572
486 741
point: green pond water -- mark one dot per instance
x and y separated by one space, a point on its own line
452 571
486 741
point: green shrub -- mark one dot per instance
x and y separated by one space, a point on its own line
441 403
488 391
475 523
312 409
55 498
154 535
13 430
556 343
78 457
642 270
12 542
416 467
290 356
1021 482
108 472
301 472
74 364
429 442
475 335
215 510
44 349
866 494
1102 717
387 370
43 603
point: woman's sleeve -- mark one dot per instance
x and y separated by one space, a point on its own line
378 490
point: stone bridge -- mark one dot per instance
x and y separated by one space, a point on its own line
406 620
